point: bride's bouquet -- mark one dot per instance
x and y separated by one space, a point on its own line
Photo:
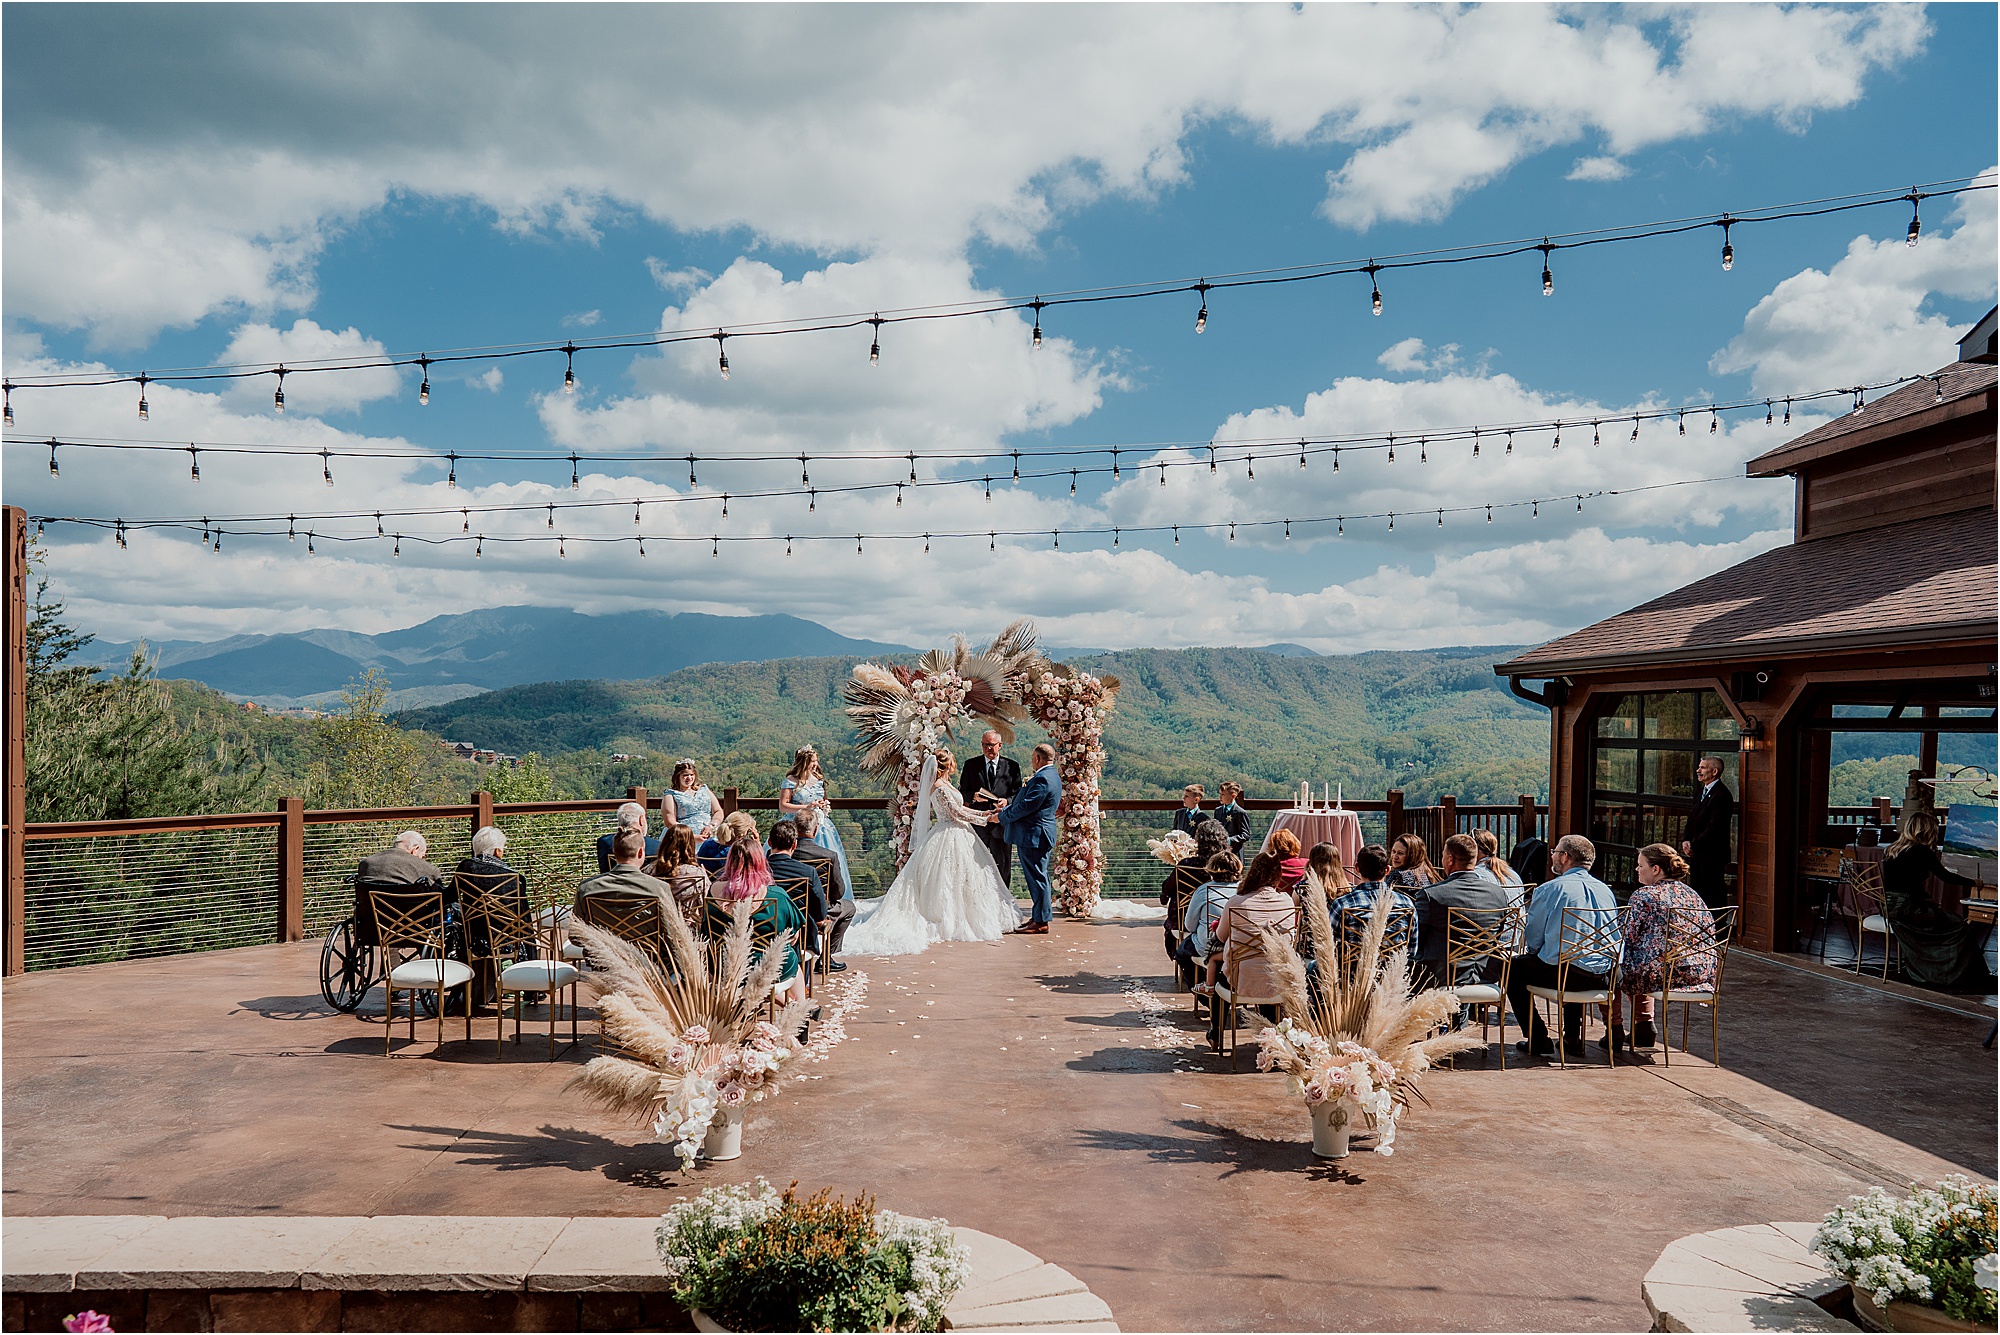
1173 850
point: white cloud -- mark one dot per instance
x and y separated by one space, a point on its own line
1865 319
1598 169
670 279
490 381
1412 355
845 130
582 320
302 346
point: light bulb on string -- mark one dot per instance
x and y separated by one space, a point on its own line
326 466
1017 465
1788 412
1072 482
1557 443
479 545
857 544
1714 424
397 550
424 388
1595 438
120 535
278 399
725 505
1682 418
55 469
1440 519
378 523
1163 475
1302 456
875 341
1250 467
1115 474
1537 513
635 512
7 402
1728 251
1392 521
218 540
575 483
1475 442
788 544
38 530
989 490
451 478
1770 414
1288 531
1336 458
569 368
812 502
1340 526
805 476
1201 316
552 516
1860 397
1489 514
291 528
562 549
145 412
642 544
1037 304
1548 276
204 531
1423 449
913 466
991 541
1211 460
691 477
1510 444
1177 535
1635 428
899 495
927 544
1392 447
194 466
1232 532
1937 386
309 542
1579 505
465 521
1374 286
714 546
1916 223
721 354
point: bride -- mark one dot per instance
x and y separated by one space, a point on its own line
950 889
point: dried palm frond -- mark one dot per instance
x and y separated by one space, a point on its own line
884 715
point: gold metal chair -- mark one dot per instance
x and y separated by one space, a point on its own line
1227 996
1695 937
1868 909
413 920
1182 882
634 917
1397 934
1473 939
514 937
1588 937
799 890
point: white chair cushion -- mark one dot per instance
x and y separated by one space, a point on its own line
430 973
537 976
1597 997
1702 997
572 951
1477 994
1875 923
560 913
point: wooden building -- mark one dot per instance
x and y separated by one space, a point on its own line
1878 617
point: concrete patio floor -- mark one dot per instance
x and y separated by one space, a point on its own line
1049 1090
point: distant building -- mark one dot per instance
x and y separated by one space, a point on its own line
1878 617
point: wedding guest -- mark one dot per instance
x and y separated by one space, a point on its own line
1325 861
631 816
1189 815
1663 905
1463 886
689 801
400 864
781 861
1494 865
1264 899
714 850
1936 949
1410 863
486 872
1210 838
627 875
1705 839
999 778
1285 844
803 790
840 904
1572 887
1351 911
1234 817
745 887
1197 946
680 867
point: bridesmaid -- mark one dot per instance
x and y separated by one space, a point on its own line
689 802
805 786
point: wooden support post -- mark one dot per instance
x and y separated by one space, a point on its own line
1396 826
1885 812
291 869
637 795
482 810
1524 823
729 799
14 900
1447 820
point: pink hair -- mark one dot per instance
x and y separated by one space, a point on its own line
745 874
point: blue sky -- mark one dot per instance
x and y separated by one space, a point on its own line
413 179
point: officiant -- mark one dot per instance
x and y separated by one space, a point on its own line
987 782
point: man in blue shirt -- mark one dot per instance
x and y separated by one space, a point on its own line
1572 887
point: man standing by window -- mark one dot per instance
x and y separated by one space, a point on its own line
1705 841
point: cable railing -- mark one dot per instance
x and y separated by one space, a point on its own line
95 892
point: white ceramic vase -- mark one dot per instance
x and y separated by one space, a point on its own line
725 1136
1330 1123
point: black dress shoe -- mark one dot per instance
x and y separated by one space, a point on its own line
1614 1040
1643 1035
1541 1047
838 966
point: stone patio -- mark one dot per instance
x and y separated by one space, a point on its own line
1050 1091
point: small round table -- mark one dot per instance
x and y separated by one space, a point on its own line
1320 825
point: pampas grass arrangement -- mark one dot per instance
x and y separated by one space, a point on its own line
1353 1030
688 1039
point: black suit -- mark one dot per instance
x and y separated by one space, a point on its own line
785 867
1003 781
1707 833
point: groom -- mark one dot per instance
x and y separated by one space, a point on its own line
1029 823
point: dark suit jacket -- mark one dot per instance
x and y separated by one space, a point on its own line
1186 818
1708 827
786 867
972 777
604 851
822 860
1236 820
1471 889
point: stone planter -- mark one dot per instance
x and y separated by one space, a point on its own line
1903 1316
704 1322
725 1136
1331 1121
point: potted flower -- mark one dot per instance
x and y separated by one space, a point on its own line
751 1258
1354 1041
1923 1263
693 1051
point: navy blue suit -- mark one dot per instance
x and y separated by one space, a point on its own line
1029 822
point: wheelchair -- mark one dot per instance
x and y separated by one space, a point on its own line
347 969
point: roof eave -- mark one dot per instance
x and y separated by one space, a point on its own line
1928 636
1788 458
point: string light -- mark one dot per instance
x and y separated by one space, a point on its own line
55 469
1392 448
1392 521
1440 519
927 544
1177 535
7 402
1302 457
1548 277
326 466
291 528
309 544
1232 532
552 517
569 368
424 389
899 495
120 535
1114 465
714 546
1037 304
1017 465
725 505
1788 412
691 479
465 521
1373 270
218 540
575 483
397 551
1595 438
805 476
1682 418
1475 442
1937 385
1916 223
278 399
145 413
1072 482
562 550
1714 423
1336 458
194 464
875 343
1423 449
378 523
721 354
1770 414
642 544
1557 443
1489 514
1510 444
1250 467
989 487
451 477
1728 251
1201 316
913 466
1635 428
479 546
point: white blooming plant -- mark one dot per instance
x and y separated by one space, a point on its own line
1926 1248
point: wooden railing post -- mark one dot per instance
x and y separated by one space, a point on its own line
14 898
291 868
1396 827
1447 819
730 797
1524 827
1885 812
637 795
482 810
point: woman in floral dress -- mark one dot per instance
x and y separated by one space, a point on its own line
1663 906
805 787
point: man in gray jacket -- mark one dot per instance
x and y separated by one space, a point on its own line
628 855
1464 887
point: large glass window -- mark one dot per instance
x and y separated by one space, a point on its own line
1644 784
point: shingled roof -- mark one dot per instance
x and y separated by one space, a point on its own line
1922 582
1953 391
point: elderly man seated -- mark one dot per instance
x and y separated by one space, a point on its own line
839 894
402 863
631 816
1572 887
627 877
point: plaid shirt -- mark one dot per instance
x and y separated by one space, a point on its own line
1361 900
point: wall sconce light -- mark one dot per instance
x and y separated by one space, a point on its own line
1751 734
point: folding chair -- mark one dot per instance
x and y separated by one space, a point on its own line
1227 996
1866 907
799 890
512 936
1474 938
1694 937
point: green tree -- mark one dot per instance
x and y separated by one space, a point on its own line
361 759
529 779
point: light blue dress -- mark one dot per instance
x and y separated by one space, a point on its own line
698 810
826 836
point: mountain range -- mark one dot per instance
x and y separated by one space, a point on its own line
462 654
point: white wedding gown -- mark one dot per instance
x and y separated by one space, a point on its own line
949 890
